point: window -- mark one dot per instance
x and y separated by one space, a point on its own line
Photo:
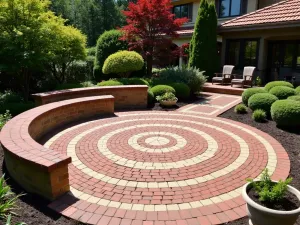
241 53
229 8
250 53
181 11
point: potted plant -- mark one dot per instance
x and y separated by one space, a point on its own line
270 202
167 99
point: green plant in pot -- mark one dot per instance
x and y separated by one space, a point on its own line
271 202
168 99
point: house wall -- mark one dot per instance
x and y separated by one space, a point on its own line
264 35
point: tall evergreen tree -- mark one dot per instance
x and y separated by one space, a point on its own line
203 47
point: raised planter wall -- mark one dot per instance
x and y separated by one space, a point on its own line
126 96
38 169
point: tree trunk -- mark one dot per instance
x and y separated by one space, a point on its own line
149 65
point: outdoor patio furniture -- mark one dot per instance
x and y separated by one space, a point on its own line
224 77
246 78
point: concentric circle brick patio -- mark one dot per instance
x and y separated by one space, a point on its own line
155 168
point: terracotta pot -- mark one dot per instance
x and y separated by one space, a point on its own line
260 215
168 103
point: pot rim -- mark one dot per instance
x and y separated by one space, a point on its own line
265 209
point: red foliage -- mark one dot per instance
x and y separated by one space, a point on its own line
151 27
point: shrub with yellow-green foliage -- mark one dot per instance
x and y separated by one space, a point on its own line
123 63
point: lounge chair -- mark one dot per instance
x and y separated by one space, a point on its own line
224 77
246 78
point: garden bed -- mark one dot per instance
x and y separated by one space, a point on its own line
290 140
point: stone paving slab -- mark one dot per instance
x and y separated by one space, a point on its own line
163 168
211 104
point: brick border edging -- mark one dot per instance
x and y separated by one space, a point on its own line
36 168
126 96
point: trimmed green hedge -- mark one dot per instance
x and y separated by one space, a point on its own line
16 108
282 92
294 97
272 84
251 91
123 63
182 90
286 113
298 90
110 83
68 86
133 81
162 89
262 101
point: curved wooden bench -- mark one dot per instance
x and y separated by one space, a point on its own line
36 168
126 96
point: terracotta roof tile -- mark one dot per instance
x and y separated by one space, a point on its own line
283 12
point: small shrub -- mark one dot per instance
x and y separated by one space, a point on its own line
150 97
240 109
68 86
262 101
91 51
251 91
110 83
87 84
168 96
286 113
182 90
10 97
157 71
259 115
162 89
192 77
123 63
4 118
282 92
133 81
298 90
272 84
267 190
294 97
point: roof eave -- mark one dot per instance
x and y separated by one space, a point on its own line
288 24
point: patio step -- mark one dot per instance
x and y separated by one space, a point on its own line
223 89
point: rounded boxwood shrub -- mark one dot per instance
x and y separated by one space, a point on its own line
282 92
272 84
294 97
262 101
108 43
240 109
286 113
182 90
251 91
162 89
259 115
150 97
110 83
298 90
123 63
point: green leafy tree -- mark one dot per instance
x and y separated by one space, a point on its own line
68 46
203 47
31 36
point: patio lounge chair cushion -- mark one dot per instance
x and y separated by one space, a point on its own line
226 75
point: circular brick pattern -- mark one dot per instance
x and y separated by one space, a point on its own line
167 162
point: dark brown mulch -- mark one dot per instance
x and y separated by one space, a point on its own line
290 140
288 203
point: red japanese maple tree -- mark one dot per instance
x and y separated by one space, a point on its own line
151 27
